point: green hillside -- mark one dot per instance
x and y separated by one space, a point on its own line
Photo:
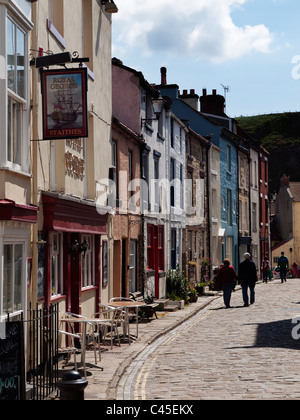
280 135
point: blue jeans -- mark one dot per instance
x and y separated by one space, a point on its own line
227 291
245 286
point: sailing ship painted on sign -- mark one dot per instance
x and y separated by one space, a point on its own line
66 109
65 106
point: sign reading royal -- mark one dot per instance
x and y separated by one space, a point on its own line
64 104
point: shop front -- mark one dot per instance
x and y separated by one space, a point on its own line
15 264
73 254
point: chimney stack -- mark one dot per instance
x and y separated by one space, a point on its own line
163 72
190 98
213 104
285 181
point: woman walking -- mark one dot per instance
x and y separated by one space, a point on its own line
227 279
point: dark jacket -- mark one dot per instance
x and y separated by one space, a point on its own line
283 263
247 272
226 275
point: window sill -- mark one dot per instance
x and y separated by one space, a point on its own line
16 171
57 298
149 127
88 288
150 272
161 137
56 34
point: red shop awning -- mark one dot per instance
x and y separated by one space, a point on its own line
71 215
11 211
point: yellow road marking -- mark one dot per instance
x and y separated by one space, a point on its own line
145 370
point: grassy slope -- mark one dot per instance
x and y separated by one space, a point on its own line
280 135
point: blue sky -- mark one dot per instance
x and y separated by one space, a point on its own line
252 46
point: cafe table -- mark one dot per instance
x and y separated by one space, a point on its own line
127 305
84 322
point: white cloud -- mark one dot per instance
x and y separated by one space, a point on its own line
203 29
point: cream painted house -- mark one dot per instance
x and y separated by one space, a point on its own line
72 245
17 215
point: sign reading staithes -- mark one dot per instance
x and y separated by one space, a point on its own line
64 104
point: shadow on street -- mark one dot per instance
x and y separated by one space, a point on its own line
277 334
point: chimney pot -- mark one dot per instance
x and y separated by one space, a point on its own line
214 91
163 72
192 92
204 92
185 92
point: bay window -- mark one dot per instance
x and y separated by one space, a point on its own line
13 268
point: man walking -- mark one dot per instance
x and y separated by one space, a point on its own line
248 279
283 264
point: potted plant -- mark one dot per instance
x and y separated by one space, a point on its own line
177 285
192 293
200 287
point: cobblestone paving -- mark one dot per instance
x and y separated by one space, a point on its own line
237 353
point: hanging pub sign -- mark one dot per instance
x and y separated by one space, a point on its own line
64 104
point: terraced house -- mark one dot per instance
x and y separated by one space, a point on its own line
71 154
209 128
17 214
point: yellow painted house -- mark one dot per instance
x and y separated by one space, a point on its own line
287 220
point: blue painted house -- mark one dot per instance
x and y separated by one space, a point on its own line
185 107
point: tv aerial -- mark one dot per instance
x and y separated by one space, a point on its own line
226 90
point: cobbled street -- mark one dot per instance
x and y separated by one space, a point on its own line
237 353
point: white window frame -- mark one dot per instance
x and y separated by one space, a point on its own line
23 119
56 254
132 265
14 243
88 260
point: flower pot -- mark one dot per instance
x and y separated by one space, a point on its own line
193 298
200 290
